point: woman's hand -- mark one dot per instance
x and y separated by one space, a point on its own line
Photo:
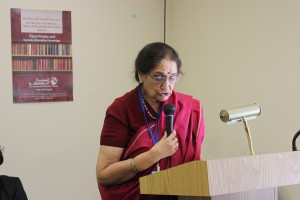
167 146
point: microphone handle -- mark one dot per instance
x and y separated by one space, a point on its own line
169 124
169 121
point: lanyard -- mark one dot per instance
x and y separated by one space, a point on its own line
154 140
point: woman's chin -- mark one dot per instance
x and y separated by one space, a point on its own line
163 98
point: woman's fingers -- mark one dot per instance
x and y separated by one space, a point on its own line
173 141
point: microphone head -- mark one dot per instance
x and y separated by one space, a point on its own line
169 109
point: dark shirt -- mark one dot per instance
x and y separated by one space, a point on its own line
11 188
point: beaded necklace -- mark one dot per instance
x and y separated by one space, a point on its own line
148 110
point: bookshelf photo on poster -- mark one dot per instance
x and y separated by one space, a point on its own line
41 47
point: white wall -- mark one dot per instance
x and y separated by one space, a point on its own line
236 53
53 147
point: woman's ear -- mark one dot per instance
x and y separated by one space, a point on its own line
141 77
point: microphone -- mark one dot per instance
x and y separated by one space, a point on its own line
169 110
294 146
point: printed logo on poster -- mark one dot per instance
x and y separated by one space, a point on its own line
47 82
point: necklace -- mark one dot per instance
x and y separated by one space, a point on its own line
148 110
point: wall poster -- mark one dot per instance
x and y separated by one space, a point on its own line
41 55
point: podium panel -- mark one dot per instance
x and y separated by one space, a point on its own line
264 194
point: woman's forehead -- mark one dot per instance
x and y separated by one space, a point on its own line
165 67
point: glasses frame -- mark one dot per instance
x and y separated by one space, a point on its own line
161 79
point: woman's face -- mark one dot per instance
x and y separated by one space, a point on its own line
159 83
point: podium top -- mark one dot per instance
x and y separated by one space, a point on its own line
225 176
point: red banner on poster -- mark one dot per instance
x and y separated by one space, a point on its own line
41 55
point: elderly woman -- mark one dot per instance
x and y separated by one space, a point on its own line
134 141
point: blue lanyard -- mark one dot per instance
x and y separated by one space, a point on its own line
154 140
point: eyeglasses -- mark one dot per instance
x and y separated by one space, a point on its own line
160 79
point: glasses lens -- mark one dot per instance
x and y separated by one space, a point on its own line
173 78
159 79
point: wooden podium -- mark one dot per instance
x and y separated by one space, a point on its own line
241 178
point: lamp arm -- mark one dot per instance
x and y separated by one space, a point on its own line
247 129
